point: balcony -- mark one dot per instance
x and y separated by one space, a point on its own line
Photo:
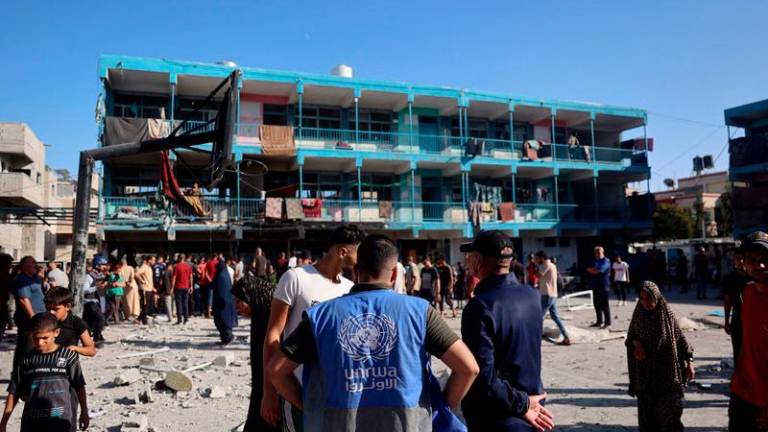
20 190
150 212
405 143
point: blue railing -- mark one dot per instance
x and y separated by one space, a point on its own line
225 210
403 142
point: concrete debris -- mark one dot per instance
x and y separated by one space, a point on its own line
127 377
214 392
687 324
576 334
239 428
145 396
147 361
137 423
178 381
144 353
224 360
162 318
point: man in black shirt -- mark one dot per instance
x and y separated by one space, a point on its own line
447 281
430 283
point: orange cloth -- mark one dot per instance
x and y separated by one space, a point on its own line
750 380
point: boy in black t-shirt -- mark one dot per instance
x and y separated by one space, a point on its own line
44 379
72 329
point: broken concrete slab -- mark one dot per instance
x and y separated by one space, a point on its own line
146 395
135 423
214 392
687 324
147 361
224 360
127 377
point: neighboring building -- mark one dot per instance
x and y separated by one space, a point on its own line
22 186
707 187
35 203
749 166
391 156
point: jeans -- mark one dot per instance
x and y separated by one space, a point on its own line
701 287
621 290
549 304
602 307
182 305
170 307
206 298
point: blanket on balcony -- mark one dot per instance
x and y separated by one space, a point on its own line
385 209
192 200
274 208
313 207
277 140
119 130
293 209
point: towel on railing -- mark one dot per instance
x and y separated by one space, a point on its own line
507 211
385 209
313 208
274 208
474 214
293 209
277 140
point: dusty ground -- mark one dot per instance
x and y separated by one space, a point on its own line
586 382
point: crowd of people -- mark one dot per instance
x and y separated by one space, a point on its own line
343 342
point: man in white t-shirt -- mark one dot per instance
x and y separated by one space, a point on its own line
299 289
56 276
621 279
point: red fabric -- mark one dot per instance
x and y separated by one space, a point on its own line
312 207
750 381
183 273
533 274
171 187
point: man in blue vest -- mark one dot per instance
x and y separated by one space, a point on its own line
502 326
366 355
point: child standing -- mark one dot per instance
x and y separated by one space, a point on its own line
45 378
115 291
72 329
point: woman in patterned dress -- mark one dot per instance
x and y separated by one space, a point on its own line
660 362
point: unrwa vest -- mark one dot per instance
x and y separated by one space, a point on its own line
371 370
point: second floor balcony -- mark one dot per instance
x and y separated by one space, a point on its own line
154 212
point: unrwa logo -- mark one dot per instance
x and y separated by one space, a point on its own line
368 336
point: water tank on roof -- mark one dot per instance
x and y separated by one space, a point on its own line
227 63
343 71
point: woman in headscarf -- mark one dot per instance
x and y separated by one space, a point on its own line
224 313
660 362
255 298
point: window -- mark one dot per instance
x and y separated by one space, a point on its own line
550 242
477 128
323 185
275 115
324 118
188 106
139 106
372 121
375 187
565 242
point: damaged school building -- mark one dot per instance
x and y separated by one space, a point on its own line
426 165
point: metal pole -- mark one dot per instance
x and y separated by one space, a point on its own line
647 180
592 133
301 111
554 144
357 121
410 125
239 215
301 180
413 195
514 189
512 131
594 193
557 201
359 194
80 230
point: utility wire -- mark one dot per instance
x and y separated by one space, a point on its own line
686 120
691 147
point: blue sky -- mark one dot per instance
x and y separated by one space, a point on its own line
683 61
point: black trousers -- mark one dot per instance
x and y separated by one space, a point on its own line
742 415
602 307
95 319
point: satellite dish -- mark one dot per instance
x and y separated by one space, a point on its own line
668 182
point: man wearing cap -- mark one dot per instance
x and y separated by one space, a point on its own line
502 326
748 410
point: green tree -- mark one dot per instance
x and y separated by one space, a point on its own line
724 214
671 222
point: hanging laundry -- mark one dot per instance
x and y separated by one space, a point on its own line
158 128
274 208
313 208
385 209
474 214
507 211
119 130
293 209
277 140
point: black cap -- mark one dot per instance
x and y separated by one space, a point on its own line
493 243
755 240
